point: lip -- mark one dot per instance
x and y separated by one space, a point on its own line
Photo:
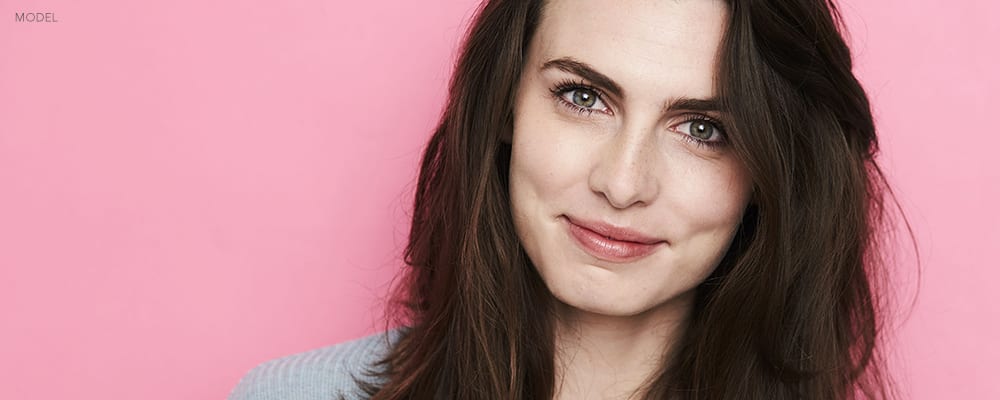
611 243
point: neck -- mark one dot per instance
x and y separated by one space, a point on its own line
601 357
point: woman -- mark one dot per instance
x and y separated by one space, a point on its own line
634 200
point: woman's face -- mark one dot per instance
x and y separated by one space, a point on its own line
624 191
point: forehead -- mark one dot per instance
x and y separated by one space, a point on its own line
661 45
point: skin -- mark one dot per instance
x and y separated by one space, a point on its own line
630 163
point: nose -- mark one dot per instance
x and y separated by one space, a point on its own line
624 172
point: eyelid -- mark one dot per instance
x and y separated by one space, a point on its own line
697 116
691 117
569 85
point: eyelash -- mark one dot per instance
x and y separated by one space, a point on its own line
569 85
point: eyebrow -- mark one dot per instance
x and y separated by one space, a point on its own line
588 72
691 104
585 71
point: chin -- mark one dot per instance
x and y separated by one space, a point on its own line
603 308
594 290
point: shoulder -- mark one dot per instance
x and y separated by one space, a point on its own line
324 373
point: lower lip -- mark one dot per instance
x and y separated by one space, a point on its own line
606 249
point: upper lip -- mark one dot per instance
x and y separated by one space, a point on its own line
619 233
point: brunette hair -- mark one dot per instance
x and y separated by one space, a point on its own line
793 311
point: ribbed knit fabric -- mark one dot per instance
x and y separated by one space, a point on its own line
322 374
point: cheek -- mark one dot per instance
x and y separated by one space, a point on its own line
711 200
548 161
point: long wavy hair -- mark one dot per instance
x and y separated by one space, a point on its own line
795 310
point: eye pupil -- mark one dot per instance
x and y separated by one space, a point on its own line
584 98
702 130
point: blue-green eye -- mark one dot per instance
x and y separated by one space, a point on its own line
701 130
579 97
584 97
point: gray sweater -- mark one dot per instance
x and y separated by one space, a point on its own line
322 374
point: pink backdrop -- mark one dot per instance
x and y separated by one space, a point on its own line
189 188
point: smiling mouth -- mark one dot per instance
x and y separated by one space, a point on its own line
608 248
